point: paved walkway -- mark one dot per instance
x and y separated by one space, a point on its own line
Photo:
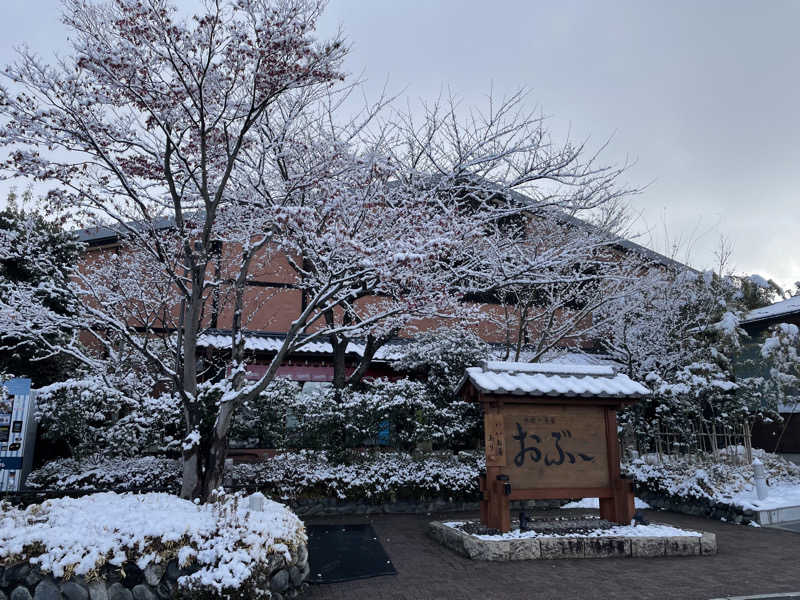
750 561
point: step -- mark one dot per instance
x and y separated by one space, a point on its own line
777 515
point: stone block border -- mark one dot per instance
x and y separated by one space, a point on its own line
315 507
282 578
547 548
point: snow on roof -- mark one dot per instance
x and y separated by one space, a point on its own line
779 309
573 357
552 379
261 343
548 368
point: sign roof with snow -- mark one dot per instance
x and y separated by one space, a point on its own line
551 379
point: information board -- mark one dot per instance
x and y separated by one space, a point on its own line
17 432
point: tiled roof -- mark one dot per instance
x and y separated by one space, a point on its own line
262 343
552 379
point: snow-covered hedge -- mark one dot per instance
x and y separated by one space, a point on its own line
100 473
679 477
374 476
222 546
400 414
404 411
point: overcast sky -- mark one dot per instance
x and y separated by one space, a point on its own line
704 96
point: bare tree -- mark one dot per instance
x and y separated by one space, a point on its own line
514 194
212 146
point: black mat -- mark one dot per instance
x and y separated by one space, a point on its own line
345 552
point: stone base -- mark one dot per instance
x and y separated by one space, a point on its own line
545 547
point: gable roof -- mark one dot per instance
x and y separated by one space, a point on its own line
108 234
773 312
101 235
552 379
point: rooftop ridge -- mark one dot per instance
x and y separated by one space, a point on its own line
552 368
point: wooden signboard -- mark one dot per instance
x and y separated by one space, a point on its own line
539 448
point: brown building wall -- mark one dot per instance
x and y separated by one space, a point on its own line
271 304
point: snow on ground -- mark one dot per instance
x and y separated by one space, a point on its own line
616 531
76 535
780 495
595 503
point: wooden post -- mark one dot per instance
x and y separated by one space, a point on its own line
499 505
484 499
620 507
496 509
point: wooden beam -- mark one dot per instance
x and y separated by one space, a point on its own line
558 493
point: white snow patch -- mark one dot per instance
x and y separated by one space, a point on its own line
616 531
595 503
780 496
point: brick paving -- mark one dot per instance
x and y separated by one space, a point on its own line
750 561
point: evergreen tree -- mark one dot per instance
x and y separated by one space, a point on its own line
36 252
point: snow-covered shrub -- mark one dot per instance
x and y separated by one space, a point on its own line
262 422
351 418
91 416
680 477
79 412
442 356
781 353
5 397
229 545
35 251
404 409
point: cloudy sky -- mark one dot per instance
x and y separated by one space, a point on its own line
703 96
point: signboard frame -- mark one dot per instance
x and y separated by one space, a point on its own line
498 487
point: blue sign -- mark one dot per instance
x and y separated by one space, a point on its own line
11 463
21 386
383 433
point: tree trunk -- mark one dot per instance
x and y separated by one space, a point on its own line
215 466
339 345
192 483
192 465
